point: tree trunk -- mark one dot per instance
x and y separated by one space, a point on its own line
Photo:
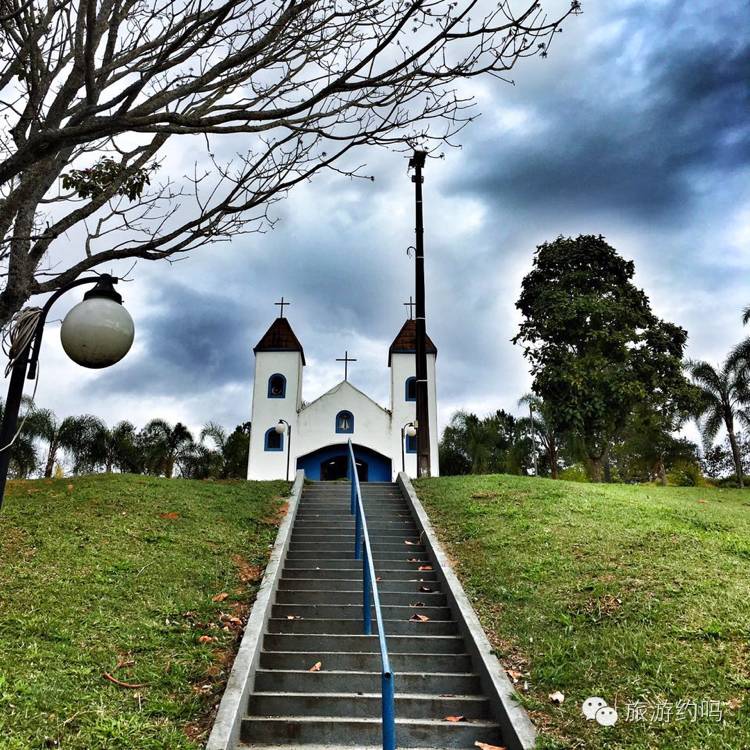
552 455
169 467
51 455
735 455
661 472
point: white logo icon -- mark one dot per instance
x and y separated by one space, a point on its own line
596 708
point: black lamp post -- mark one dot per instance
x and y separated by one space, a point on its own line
408 430
417 162
96 333
281 429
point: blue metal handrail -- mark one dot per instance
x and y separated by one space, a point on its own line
370 592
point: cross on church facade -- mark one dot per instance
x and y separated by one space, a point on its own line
411 305
282 305
346 359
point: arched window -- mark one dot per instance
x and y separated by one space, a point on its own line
274 441
345 422
276 386
411 443
410 389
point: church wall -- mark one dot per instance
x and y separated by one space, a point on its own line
266 412
317 422
402 367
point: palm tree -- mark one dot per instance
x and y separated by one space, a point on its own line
543 428
739 357
724 395
164 444
80 436
24 459
120 450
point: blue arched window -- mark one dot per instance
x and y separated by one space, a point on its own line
274 441
410 389
276 386
411 444
345 422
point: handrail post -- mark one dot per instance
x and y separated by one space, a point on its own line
389 711
358 535
366 614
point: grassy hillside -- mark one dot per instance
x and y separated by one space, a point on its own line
628 593
117 575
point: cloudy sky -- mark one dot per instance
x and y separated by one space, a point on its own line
636 127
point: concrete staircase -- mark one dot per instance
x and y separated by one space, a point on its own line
317 617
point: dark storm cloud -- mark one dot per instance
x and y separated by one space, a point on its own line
194 342
626 130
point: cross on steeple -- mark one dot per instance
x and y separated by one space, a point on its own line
411 305
346 359
282 305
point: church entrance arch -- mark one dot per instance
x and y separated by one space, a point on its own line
332 462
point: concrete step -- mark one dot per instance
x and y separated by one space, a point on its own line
409 573
383 563
410 733
347 586
346 612
354 627
398 598
302 681
348 546
347 535
365 662
339 525
367 705
358 643
324 552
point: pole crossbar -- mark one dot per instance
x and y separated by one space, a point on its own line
371 600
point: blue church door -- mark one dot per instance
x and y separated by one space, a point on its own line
332 462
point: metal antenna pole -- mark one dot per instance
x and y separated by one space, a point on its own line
423 419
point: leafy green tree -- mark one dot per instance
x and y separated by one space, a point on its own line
494 444
595 347
120 449
725 395
162 445
236 451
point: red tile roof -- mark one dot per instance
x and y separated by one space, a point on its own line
406 341
280 338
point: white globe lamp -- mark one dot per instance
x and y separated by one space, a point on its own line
411 430
98 331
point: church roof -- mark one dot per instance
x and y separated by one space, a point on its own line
280 338
406 341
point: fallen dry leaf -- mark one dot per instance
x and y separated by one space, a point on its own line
514 674
419 618
173 516
557 697
425 567
426 590
378 578
70 488
293 617
413 559
734 703
219 597
417 604
486 746
411 544
316 667
130 685
206 639
454 719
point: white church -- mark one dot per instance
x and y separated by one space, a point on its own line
315 435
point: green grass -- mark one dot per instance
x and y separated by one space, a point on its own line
628 593
96 571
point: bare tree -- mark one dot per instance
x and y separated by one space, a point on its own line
92 91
